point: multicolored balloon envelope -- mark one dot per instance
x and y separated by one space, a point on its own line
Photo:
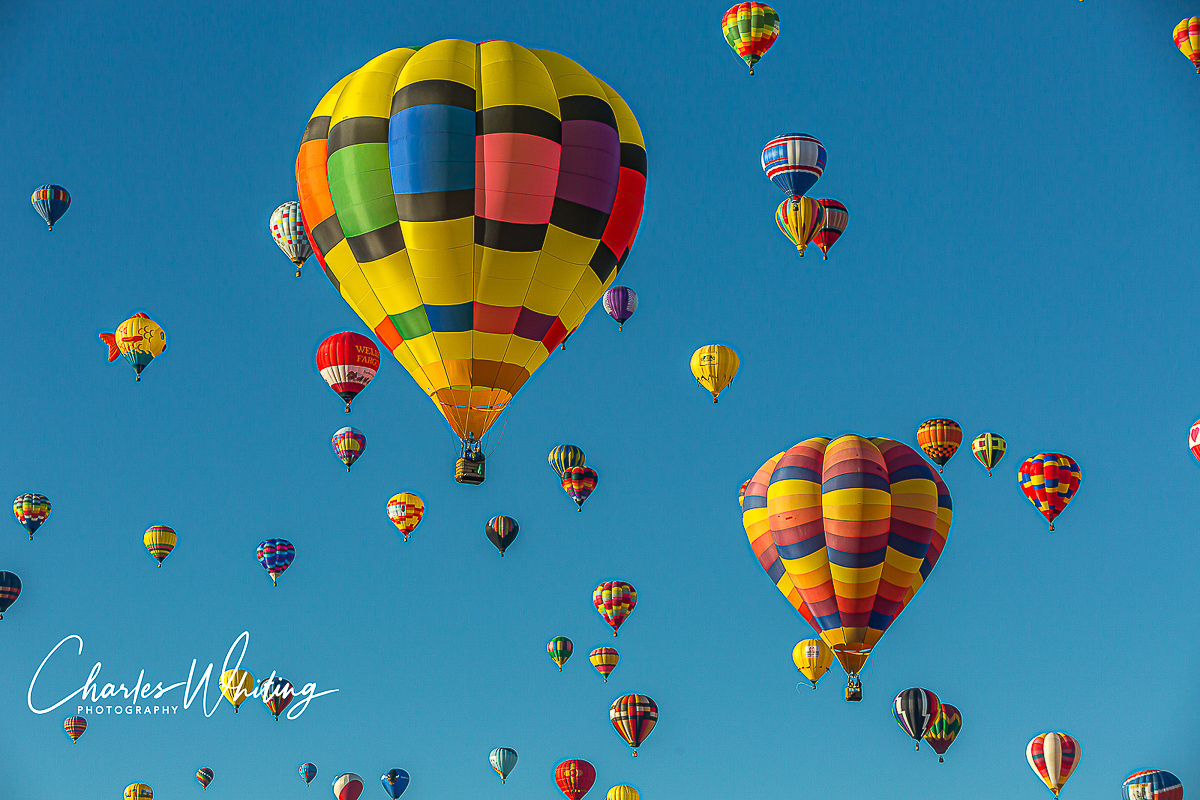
308 772
620 302
75 726
503 759
159 541
989 449
287 228
140 339
50 202
347 786
751 29
714 367
794 162
277 693
348 362
566 456
850 531
575 777
1054 757
471 202
348 444
604 659
634 717
579 483
939 438
615 601
1187 39
502 532
833 225
405 511
1049 481
799 218
394 781
276 555
944 730
10 590
31 510
1152 784
915 711
204 777
138 791
559 649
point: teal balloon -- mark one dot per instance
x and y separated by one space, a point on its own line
503 760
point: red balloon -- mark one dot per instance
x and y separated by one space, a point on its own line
575 777
579 482
347 362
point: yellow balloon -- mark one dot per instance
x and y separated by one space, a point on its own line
798 218
138 791
236 685
714 366
813 658
622 793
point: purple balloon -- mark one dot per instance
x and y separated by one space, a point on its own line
620 302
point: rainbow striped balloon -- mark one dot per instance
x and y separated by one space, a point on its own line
159 541
74 726
348 444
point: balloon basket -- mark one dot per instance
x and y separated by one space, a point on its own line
469 471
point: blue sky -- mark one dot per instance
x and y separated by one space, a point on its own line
1019 258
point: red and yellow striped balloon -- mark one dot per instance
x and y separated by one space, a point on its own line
1054 757
1187 39
1049 481
939 438
634 716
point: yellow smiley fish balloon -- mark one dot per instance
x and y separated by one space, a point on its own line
139 339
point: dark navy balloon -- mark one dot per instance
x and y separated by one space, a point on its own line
501 531
394 782
10 590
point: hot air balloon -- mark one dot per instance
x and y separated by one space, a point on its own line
559 649
798 219
503 759
75 726
347 786
236 686
1187 39
714 366
939 438
620 302
348 444
1194 439
915 711
276 555
793 162
633 716
622 793
1054 757
604 659
308 772
944 730
615 601
31 510
394 781
347 361
501 531
568 455
276 693
139 338
138 791
833 225
579 483
1049 480
1152 784
405 511
989 449
575 777
742 491
51 202
159 541
813 658
204 776
10 590
751 29
823 536
287 228
471 228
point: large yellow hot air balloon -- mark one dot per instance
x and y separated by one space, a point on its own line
236 685
714 366
471 202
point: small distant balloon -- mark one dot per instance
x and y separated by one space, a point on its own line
1187 39
204 776
833 225
566 456
915 711
236 686
287 228
1054 757
276 694
405 511
939 438
579 483
51 202
798 218
944 730
10 590
714 367
1049 481
75 726
503 759
1152 784
159 541
794 162
634 717
615 601
138 791
308 772
989 449
620 302
31 510
559 649
502 532
347 786
394 781
750 29
604 659
622 793
276 555
575 777
139 339
348 362
813 658
348 444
